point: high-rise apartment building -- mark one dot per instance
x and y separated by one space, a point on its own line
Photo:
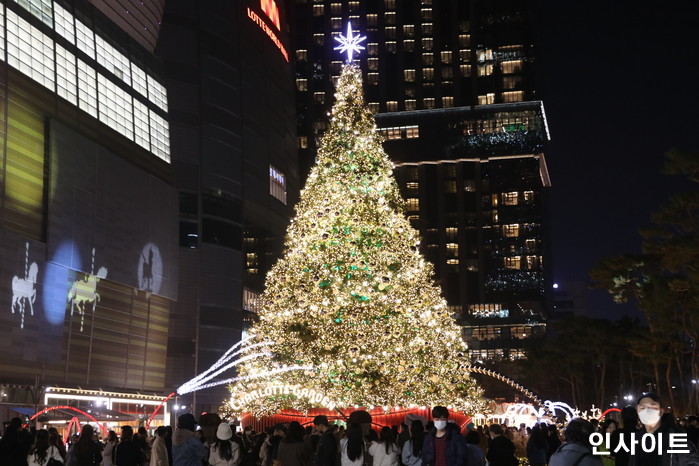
453 89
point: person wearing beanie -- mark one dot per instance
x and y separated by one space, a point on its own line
224 451
187 450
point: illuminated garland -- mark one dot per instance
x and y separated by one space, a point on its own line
352 304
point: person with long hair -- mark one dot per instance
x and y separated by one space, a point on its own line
224 451
41 452
384 451
85 451
56 440
412 449
537 447
126 452
158 453
109 444
293 451
352 447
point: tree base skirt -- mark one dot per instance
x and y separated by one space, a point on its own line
379 417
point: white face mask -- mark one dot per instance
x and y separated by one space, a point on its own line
649 417
440 425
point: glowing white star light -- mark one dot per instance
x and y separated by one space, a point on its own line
349 43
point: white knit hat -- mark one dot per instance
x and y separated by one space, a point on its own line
224 431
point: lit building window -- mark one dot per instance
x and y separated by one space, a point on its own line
513 96
488 310
465 40
409 45
353 6
372 48
412 186
303 142
390 17
391 46
465 55
511 66
85 38
336 8
452 249
485 70
427 28
115 106
428 74
426 14
39 8
373 63
446 57
511 230
511 82
302 55
516 354
159 136
428 58
374 107
412 204
528 196
409 75
113 60
391 32
427 43
533 262
139 80
65 75
410 104
372 19
141 125
87 88
391 106
373 78
429 102
318 39
389 3
484 55
494 198
486 99
447 72
335 67
336 24
64 23
495 216
277 184
530 244
251 301
465 70
318 10
450 186
302 84
319 97
447 102
512 262
157 93
29 50
408 30
510 198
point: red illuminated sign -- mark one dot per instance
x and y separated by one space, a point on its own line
257 20
269 7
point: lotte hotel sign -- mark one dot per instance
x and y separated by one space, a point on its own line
269 7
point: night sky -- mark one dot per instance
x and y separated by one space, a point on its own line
620 85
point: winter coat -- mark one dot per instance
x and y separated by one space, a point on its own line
456 448
107 453
127 453
326 450
501 452
475 456
215 458
568 453
537 454
671 459
158 453
407 455
378 451
293 454
52 452
187 450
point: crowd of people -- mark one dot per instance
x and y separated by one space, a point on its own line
417 442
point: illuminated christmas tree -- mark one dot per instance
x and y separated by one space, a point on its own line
351 314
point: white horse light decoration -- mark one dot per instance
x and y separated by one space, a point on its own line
85 291
24 289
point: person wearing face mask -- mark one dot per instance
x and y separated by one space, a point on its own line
654 421
443 445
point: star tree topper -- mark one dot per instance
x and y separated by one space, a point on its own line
349 43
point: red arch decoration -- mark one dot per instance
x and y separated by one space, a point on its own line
610 410
158 409
104 429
